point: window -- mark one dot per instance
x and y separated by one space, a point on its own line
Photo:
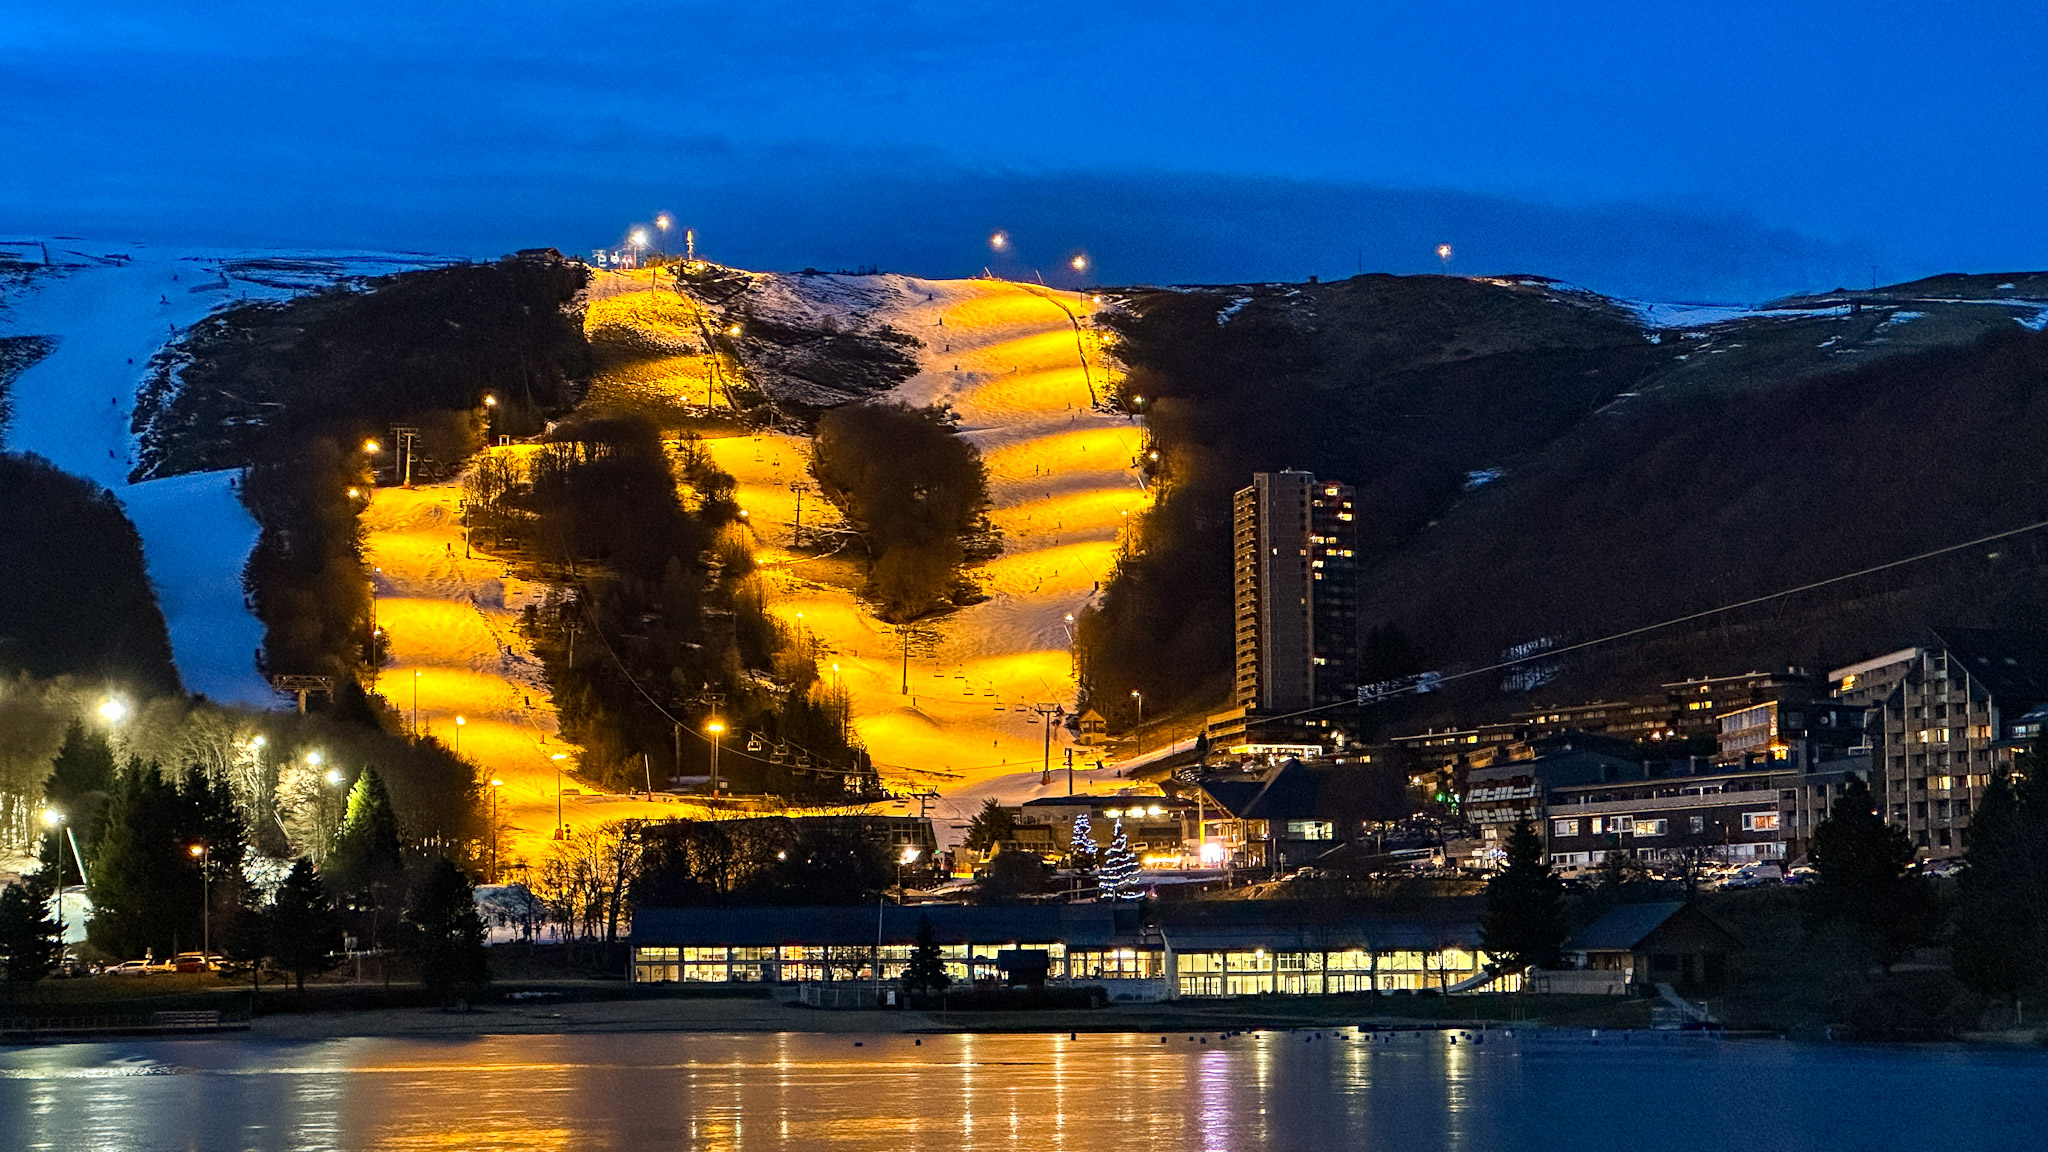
1564 827
1311 830
1652 827
1759 821
1620 824
1699 825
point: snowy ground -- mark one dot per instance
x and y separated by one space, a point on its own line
111 307
451 625
1064 484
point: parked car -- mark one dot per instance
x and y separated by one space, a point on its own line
130 968
195 962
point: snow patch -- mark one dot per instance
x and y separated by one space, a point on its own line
1231 309
1482 477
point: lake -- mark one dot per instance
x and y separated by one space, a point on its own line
1299 1090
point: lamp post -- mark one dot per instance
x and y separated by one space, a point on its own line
558 758
1140 698
415 704
53 818
459 722
495 785
717 730
203 852
904 859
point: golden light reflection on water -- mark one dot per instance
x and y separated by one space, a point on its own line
956 1093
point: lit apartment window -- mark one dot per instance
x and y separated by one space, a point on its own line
1652 827
1564 827
1759 821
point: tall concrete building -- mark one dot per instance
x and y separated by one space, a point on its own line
1296 574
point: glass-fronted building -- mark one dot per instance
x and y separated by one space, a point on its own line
1239 949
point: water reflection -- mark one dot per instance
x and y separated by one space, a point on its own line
1330 1089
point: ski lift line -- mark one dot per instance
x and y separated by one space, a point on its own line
1551 653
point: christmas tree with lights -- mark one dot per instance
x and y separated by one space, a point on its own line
1081 845
1117 877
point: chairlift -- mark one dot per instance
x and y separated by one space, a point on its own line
803 761
754 743
780 754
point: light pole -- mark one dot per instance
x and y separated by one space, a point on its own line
54 818
905 858
495 785
415 704
459 722
558 758
662 221
203 852
1140 698
717 729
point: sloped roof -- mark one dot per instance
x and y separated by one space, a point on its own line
1622 928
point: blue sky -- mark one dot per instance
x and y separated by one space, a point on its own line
1731 151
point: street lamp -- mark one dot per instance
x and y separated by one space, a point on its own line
663 220
114 710
558 758
203 852
460 721
1079 263
999 240
495 785
1443 254
1140 698
717 729
53 818
905 858
415 704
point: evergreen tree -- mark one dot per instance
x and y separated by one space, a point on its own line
80 778
1866 878
366 868
990 826
210 816
29 941
2001 923
926 972
1524 925
1117 878
143 884
445 936
304 931
1081 845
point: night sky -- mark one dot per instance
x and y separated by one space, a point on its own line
1730 151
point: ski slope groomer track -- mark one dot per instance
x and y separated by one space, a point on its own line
111 307
1064 484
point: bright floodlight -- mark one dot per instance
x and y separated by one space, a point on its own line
497 783
639 237
257 741
1443 251
334 776
999 240
663 221
910 854
196 850
559 756
372 446
715 727
459 720
1079 263
732 330
52 817
114 710
490 401
314 757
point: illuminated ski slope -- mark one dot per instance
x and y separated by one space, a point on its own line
1063 483
451 625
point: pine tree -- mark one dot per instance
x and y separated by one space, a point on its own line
1117 878
990 826
1524 925
1081 845
1865 879
445 936
80 778
2001 923
304 931
926 972
143 884
29 943
365 868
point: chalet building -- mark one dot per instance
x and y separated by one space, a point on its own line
1942 720
1273 819
1244 948
1648 944
1091 729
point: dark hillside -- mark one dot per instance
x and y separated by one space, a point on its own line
79 600
1532 462
1693 499
1401 387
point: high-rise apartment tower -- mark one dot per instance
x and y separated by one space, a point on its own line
1296 592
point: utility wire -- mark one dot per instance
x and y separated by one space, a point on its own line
1686 619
